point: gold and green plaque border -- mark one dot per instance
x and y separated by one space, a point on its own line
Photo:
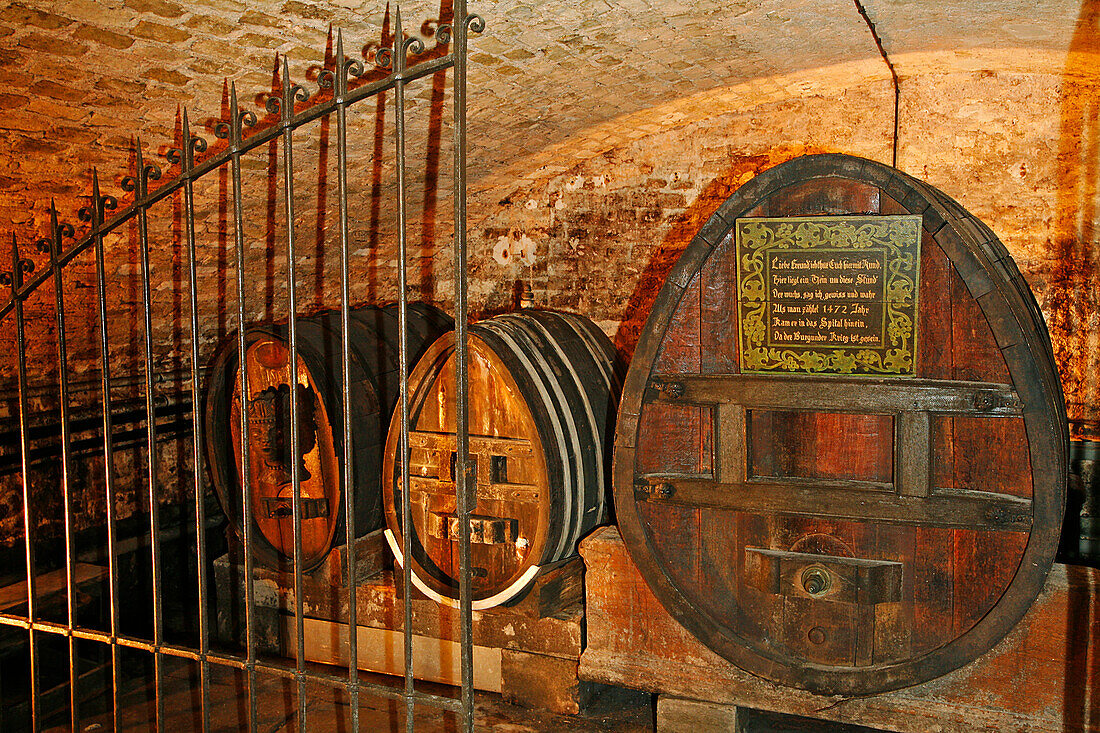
894 238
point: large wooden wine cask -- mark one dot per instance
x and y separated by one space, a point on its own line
542 387
372 393
840 457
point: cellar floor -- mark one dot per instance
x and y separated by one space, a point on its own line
328 709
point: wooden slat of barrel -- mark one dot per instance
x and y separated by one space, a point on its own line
960 587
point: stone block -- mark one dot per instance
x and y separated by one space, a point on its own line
158 32
163 8
103 37
682 715
168 76
52 44
22 15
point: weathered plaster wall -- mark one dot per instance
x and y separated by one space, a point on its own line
608 210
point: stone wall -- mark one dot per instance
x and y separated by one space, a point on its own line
1011 145
591 219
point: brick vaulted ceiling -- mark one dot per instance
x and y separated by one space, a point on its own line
602 133
80 78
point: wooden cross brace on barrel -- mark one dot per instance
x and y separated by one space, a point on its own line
910 498
434 477
908 495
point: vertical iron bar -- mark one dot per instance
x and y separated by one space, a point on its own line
340 89
467 500
399 47
144 173
236 119
54 250
287 108
99 205
28 519
188 163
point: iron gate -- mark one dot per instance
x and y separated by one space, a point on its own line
345 86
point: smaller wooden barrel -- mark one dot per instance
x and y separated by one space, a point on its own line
372 338
542 389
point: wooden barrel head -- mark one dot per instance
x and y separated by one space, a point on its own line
513 516
841 449
320 434
271 460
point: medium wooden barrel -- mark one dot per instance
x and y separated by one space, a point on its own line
372 338
840 458
541 400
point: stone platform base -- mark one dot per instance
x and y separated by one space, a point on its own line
1043 677
529 652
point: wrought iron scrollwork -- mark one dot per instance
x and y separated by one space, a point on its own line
383 58
106 203
346 67
353 67
151 172
412 46
245 118
197 144
274 103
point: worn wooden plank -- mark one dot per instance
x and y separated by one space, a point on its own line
914 454
547 683
839 394
382 650
535 623
680 347
672 436
826 195
731 451
511 447
843 500
718 312
520 493
821 445
53 583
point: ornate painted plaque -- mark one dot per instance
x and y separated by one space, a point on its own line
828 295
